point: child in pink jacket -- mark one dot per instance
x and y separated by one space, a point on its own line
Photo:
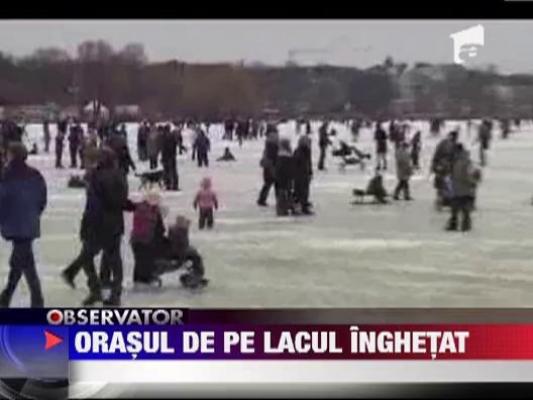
206 200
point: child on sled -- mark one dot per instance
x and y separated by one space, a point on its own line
178 254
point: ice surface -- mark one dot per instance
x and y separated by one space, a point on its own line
344 256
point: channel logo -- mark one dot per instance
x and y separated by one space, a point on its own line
467 43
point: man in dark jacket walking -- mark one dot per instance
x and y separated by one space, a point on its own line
142 138
228 129
323 143
484 139
203 146
102 228
380 137
441 165
75 139
284 175
60 140
303 173
119 145
23 198
47 137
168 158
268 163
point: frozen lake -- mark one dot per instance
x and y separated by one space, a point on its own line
345 256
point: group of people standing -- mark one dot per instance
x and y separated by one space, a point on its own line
289 172
243 129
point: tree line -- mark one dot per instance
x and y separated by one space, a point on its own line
172 89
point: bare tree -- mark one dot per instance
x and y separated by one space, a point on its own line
94 62
50 55
133 53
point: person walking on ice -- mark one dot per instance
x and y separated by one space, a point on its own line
23 199
380 137
464 181
404 170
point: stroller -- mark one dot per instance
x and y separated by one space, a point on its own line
176 254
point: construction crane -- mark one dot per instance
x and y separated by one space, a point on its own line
293 53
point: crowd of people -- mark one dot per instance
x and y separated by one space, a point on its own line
102 152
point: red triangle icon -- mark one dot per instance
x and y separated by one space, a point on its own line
51 340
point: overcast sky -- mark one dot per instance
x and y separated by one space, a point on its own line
508 44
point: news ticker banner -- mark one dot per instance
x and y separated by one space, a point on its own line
61 335
50 350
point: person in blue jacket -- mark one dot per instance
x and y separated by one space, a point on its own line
23 198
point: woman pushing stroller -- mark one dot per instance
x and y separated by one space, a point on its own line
156 253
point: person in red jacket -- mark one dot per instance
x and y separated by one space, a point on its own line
147 236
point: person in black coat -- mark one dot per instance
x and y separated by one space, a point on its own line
102 228
416 147
75 139
268 163
179 140
308 127
142 138
168 158
241 131
228 129
380 137
303 173
323 143
284 175
203 146
119 145
60 140
47 137
23 199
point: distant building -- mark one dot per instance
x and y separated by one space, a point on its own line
70 112
94 107
401 107
28 113
128 110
